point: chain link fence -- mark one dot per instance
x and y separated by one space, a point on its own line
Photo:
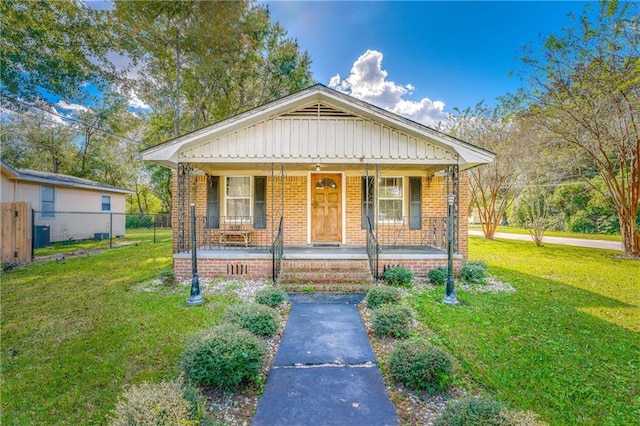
69 227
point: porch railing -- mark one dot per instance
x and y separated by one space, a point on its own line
277 249
373 249
234 233
396 233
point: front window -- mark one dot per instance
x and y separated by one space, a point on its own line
47 201
390 194
238 197
106 203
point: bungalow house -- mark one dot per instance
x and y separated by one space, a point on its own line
317 185
65 207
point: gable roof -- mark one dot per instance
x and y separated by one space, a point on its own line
57 179
317 102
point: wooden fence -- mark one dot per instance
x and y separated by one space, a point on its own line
16 233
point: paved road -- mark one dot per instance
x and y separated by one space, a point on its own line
580 242
325 371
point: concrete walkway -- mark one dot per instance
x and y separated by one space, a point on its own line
579 242
325 371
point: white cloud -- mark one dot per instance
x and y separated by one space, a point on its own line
71 107
368 82
136 102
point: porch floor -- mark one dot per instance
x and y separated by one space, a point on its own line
321 252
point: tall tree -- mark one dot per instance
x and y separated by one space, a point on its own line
583 88
492 186
59 46
209 60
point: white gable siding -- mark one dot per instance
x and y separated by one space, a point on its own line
333 139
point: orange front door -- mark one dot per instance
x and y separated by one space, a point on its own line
326 208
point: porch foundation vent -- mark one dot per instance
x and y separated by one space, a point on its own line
318 110
237 269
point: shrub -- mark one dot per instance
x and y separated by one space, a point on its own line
473 272
224 357
270 296
380 295
420 366
482 411
398 276
152 404
167 277
438 276
259 319
392 320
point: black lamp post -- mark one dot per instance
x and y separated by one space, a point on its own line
450 297
195 298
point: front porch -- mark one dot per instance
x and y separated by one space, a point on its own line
320 264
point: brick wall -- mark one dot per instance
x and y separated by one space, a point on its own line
213 268
296 213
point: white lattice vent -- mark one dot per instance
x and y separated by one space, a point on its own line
318 110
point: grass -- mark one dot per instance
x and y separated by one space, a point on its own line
75 332
524 231
566 344
132 236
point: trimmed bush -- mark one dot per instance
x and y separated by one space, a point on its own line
481 411
167 277
270 296
259 319
438 275
473 272
391 320
152 404
420 366
380 295
224 357
398 276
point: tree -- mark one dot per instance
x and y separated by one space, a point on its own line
59 46
583 89
492 186
205 61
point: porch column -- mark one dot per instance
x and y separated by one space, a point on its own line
274 212
455 174
452 231
184 175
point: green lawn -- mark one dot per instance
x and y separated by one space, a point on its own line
566 344
75 332
514 230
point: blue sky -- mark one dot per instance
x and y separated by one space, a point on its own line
436 55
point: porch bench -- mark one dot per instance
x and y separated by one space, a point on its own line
234 234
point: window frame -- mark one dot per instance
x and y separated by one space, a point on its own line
385 220
44 213
250 197
102 196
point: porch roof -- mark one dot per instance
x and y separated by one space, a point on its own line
319 125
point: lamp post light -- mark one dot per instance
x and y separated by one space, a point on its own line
195 298
450 297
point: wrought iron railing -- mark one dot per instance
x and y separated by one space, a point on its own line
230 233
277 249
396 233
373 249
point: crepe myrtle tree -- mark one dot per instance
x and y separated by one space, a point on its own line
582 88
